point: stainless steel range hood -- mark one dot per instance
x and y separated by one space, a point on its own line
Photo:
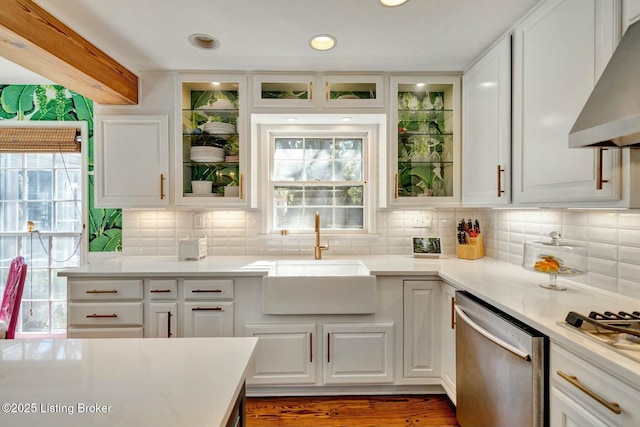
611 117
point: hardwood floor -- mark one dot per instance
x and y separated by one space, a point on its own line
351 411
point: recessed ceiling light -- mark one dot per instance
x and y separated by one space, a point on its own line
393 3
346 119
291 119
323 42
420 84
204 41
215 83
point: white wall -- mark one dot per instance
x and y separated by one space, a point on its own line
612 237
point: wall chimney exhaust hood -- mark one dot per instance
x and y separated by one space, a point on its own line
611 116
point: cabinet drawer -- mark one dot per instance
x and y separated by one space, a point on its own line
597 384
163 289
101 290
104 332
208 289
105 314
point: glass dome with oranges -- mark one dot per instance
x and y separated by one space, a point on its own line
555 258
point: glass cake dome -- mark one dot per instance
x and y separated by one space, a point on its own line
555 258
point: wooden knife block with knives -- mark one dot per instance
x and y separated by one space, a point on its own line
470 244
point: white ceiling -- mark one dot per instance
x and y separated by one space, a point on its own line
422 35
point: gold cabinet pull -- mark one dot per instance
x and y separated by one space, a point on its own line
573 380
311 91
600 181
395 186
326 90
161 186
160 291
101 316
453 313
207 309
100 291
500 190
240 183
202 291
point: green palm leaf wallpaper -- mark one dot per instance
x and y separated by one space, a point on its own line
56 103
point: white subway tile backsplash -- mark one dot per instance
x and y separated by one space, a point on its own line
602 251
602 235
629 255
629 237
613 237
602 219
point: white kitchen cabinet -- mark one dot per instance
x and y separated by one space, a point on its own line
285 90
358 353
208 310
424 148
320 91
448 340
560 50
211 155
585 394
286 353
353 90
630 13
486 128
104 308
421 328
162 320
208 319
131 158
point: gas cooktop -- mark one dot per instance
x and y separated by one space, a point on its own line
619 331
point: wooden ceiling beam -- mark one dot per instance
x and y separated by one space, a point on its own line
34 39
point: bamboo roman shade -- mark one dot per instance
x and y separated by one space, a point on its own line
39 140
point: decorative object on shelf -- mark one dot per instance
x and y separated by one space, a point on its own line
555 258
470 242
426 247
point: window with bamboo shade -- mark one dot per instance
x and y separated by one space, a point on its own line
39 140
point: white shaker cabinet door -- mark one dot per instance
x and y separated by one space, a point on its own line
486 129
560 50
131 161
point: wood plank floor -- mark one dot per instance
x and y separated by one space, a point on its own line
351 411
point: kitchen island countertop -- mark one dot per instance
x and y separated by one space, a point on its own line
122 382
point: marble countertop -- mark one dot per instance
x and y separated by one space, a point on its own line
508 287
121 382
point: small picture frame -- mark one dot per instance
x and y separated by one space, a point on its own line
427 247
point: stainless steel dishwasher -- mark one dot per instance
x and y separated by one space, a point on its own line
501 368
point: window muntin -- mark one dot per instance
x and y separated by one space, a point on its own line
324 174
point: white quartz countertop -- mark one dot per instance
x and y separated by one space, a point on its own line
121 382
508 287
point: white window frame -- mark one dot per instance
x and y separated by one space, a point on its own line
370 135
48 236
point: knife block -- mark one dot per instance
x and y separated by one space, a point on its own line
472 250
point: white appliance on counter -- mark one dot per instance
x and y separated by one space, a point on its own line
501 368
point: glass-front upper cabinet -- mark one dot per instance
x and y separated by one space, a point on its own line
425 140
283 90
212 157
353 90
318 91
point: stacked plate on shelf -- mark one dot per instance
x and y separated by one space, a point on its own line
232 159
207 154
219 128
